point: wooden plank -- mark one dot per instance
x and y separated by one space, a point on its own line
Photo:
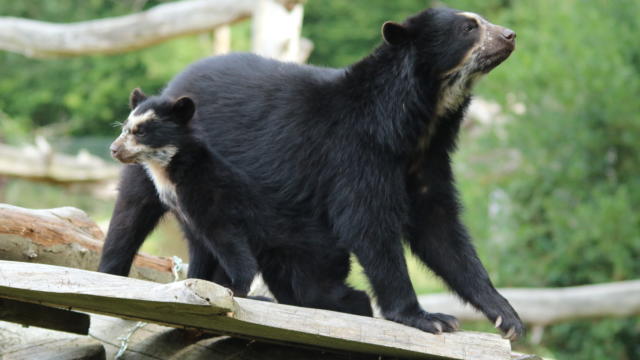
44 316
110 294
202 305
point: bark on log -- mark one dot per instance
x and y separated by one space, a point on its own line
550 306
66 236
119 34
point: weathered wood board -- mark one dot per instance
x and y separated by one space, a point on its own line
203 305
44 316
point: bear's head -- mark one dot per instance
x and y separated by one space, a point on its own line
154 130
453 47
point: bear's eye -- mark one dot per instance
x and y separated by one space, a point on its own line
138 132
470 26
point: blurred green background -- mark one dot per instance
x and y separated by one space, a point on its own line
552 190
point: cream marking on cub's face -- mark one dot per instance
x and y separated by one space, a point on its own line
136 152
164 186
154 160
134 120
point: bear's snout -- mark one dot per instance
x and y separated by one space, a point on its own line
508 34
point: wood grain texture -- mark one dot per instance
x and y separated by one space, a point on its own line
65 236
110 294
29 314
63 349
201 305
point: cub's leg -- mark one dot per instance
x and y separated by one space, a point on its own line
137 212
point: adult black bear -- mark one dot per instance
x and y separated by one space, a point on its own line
226 217
365 150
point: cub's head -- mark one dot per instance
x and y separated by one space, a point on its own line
452 47
154 130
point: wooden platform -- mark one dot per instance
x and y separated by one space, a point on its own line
209 307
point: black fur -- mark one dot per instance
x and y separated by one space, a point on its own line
362 150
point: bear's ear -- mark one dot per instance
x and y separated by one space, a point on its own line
136 97
183 110
394 33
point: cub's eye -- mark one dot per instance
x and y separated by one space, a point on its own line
470 26
139 132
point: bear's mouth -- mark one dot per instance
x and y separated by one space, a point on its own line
491 61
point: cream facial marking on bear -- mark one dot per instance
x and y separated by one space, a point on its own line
134 120
143 153
457 82
127 138
164 186
166 189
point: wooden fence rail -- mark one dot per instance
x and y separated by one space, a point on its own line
125 33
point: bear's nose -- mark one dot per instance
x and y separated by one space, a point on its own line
508 34
114 149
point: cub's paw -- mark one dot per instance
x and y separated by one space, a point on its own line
434 323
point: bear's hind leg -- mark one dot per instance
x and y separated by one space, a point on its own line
314 279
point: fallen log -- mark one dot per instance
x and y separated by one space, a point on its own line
208 307
546 306
66 236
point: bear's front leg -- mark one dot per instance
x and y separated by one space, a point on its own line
440 240
137 212
368 215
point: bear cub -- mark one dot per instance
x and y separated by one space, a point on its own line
223 215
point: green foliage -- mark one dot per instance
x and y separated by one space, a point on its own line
83 95
571 212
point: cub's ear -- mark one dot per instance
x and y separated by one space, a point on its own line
394 33
183 109
136 97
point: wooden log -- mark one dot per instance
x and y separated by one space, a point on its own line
546 306
40 163
120 34
201 305
65 236
44 316
153 342
64 349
